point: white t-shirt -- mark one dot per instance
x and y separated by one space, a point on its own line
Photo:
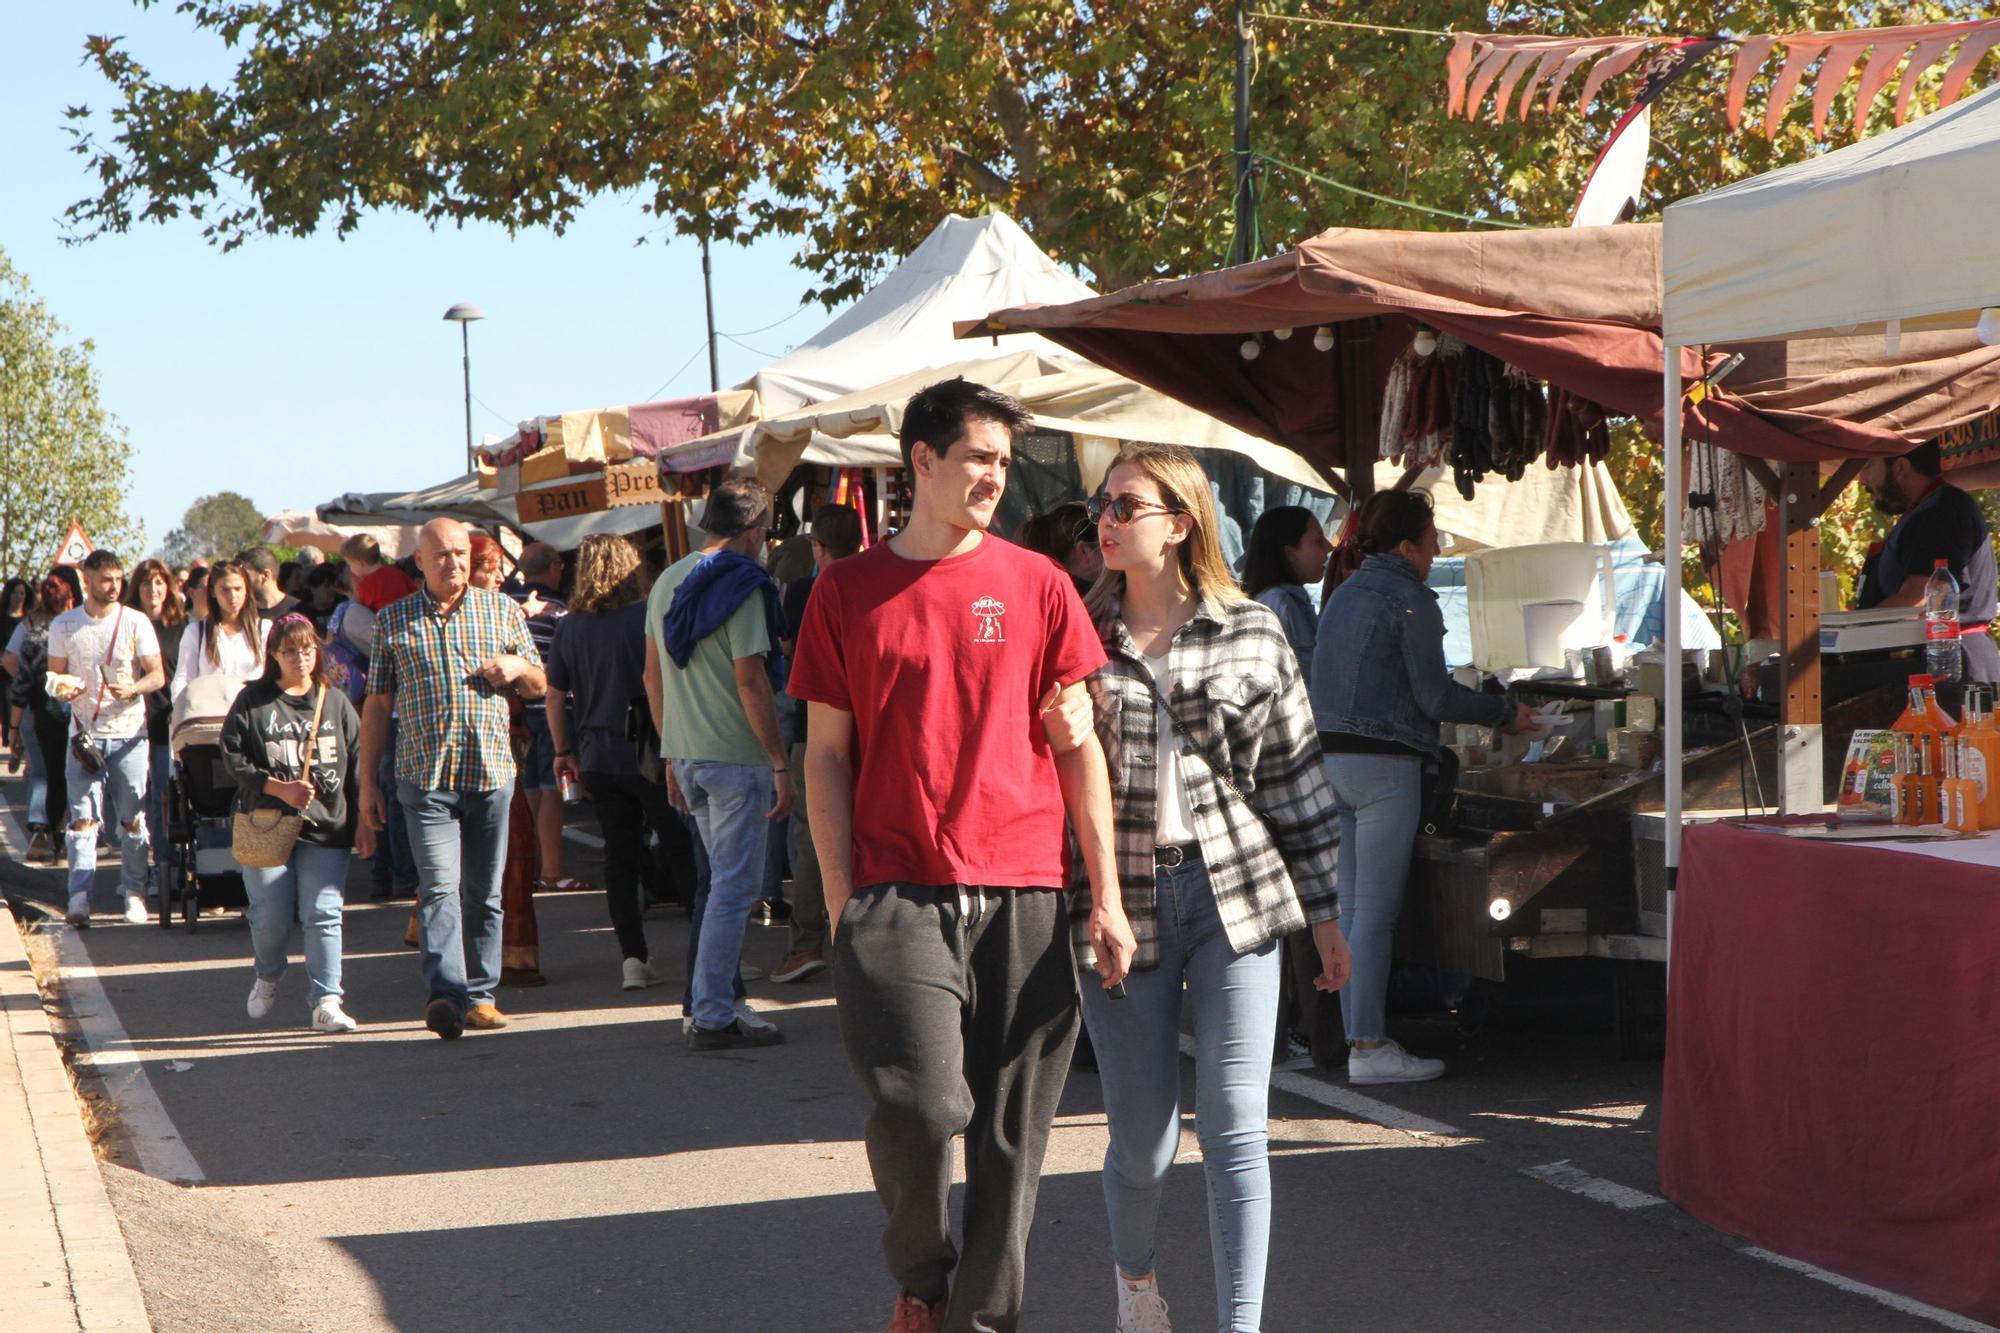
235 656
1173 819
91 656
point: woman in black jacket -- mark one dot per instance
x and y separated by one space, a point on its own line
279 767
154 592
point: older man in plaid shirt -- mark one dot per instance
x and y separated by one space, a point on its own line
443 657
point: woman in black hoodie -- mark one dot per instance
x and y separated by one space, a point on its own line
265 747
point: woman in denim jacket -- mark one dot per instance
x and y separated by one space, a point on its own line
1380 689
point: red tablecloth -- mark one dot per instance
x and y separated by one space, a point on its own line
1833 1060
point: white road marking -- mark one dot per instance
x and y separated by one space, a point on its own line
1566 1177
1889 1298
1353 1103
162 1154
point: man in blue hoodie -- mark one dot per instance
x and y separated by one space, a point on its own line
712 669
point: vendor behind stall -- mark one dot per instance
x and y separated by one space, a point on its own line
1935 521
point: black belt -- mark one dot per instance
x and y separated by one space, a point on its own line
1167 858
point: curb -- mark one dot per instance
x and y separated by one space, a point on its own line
58 1233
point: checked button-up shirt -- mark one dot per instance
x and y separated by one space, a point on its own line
1272 845
452 732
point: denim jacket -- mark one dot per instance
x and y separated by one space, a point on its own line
1379 670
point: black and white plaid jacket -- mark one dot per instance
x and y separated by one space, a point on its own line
1234 684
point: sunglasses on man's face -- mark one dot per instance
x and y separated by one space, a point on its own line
1124 508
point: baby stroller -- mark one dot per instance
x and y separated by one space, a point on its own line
197 868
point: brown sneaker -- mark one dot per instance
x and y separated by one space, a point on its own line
799 964
485 1017
913 1316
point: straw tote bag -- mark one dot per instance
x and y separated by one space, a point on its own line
265 838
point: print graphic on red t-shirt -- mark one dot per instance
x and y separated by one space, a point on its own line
989 610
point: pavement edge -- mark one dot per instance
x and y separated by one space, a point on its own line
102 1284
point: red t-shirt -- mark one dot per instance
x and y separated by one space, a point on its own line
942 664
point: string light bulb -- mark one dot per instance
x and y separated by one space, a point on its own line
1281 334
1323 338
1988 328
1251 349
1424 343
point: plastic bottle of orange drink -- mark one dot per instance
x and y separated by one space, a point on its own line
1979 752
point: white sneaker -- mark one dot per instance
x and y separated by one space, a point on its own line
262 996
136 910
78 914
1390 1063
639 974
1141 1309
687 1024
750 1018
328 1016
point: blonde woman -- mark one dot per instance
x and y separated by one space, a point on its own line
1225 840
597 667
230 641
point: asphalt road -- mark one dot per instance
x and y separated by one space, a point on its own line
581 1170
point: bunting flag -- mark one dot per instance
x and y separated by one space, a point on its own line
1541 68
1619 175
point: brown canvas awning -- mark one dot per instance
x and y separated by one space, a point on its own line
1580 308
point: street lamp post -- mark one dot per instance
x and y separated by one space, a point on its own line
463 314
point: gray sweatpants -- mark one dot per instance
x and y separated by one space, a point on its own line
958 1010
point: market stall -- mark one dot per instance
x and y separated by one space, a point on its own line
1830 1089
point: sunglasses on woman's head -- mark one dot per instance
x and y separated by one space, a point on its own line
1124 508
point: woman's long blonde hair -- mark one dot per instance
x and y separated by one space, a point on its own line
605 566
1184 488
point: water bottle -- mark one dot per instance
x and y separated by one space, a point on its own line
1943 656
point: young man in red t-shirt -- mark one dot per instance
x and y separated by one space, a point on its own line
937 809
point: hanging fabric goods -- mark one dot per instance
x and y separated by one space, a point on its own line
1480 378
1726 502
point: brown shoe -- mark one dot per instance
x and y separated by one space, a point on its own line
442 1017
914 1316
485 1017
799 964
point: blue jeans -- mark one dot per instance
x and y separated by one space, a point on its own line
394 867
1378 799
119 785
728 802
1137 1039
38 781
697 912
308 888
459 841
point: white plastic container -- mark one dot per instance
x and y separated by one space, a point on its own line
1527 605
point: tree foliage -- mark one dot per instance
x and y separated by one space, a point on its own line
215 525
1104 126
63 458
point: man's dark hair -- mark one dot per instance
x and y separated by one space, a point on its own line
101 559
838 529
734 507
260 558
938 414
1926 460
540 562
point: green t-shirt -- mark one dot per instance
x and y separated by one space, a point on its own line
701 713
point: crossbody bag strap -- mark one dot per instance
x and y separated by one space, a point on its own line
1180 729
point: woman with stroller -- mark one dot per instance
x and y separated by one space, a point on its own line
230 641
41 721
292 745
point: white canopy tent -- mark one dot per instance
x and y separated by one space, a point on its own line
963 269
1100 410
1892 233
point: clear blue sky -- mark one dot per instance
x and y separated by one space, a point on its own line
295 370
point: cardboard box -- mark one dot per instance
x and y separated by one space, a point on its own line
1642 712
